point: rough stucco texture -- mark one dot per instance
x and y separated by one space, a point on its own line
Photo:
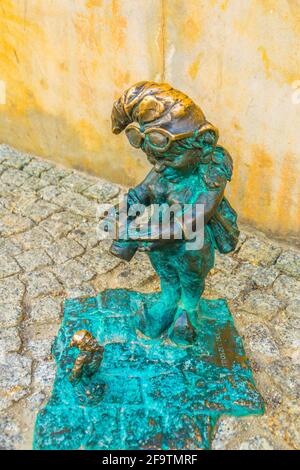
65 61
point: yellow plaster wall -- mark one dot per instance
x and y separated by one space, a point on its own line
240 59
65 61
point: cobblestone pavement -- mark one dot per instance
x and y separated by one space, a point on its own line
49 251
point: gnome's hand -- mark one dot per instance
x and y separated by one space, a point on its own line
152 246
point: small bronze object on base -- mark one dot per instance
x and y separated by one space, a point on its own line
90 357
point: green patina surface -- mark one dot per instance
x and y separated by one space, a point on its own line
147 394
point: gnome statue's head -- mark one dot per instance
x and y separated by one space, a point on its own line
167 125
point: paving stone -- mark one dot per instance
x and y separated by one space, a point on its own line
14 178
292 432
36 237
73 274
257 443
293 313
77 203
265 277
257 251
286 335
3 210
15 379
33 183
272 395
286 376
60 224
14 223
99 259
286 288
10 433
37 167
64 250
246 271
40 210
16 160
41 283
10 314
289 263
9 341
225 263
49 192
56 174
39 349
228 286
45 310
7 152
260 343
33 259
76 182
102 191
85 234
227 428
83 290
8 266
262 304
11 290
35 401
44 374
23 200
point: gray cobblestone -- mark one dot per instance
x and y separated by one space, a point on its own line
76 182
102 191
289 263
10 314
8 266
14 178
64 250
40 210
37 237
11 290
15 378
60 224
41 283
262 304
77 203
10 341
14 223
258 251
45 310
33 259
73 273
85 234
37 167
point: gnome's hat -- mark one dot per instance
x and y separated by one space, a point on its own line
156 105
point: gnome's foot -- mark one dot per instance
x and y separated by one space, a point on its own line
182 331
155 319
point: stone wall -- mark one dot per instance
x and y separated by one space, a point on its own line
63 62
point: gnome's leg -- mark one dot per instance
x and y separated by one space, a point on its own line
193 267
160 316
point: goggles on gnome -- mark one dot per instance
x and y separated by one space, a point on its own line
161 139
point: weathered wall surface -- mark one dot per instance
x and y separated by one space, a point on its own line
64 62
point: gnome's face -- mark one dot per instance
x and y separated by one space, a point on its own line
176 162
